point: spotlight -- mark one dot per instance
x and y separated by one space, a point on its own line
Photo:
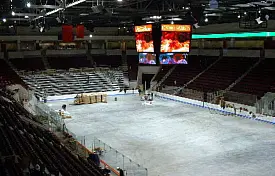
58 19
258 20
196 25
4 20
119 0
172 22
239 16
206 20
90 35
267 17
26 17
42 29
12 13
28 4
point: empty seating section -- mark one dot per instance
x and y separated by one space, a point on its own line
29 64
132 67
74 83
259 81
68 62
115 76
7 75
184 73
113 61
26 145
222 74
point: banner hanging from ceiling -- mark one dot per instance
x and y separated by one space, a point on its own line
80 31
67 33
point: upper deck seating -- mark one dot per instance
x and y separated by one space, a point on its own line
222 74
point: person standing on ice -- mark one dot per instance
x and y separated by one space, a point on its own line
235 109
106 171
222 103
121 173
94 158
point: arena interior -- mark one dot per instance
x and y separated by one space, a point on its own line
137 88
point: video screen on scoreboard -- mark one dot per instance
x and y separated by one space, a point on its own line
144 38
147 58
175 38
173 58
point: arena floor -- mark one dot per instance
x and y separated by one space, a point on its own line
173 139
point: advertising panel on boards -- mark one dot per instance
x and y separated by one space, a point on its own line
175 38
173 58
144 38
147 58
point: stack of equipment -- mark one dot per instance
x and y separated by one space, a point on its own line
90 98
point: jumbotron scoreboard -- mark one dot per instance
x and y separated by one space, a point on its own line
163 43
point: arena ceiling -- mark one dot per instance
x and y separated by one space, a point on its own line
95 13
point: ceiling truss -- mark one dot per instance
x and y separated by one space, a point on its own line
127 12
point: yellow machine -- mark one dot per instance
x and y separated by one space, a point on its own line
90 98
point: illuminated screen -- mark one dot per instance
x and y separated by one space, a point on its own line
144 38
147 58
175 38
173 58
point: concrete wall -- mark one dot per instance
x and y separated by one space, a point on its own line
146 70
22 93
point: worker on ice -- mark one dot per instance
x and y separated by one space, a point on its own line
106 171
121 173
94 158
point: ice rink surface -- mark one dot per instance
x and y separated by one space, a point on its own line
173 139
